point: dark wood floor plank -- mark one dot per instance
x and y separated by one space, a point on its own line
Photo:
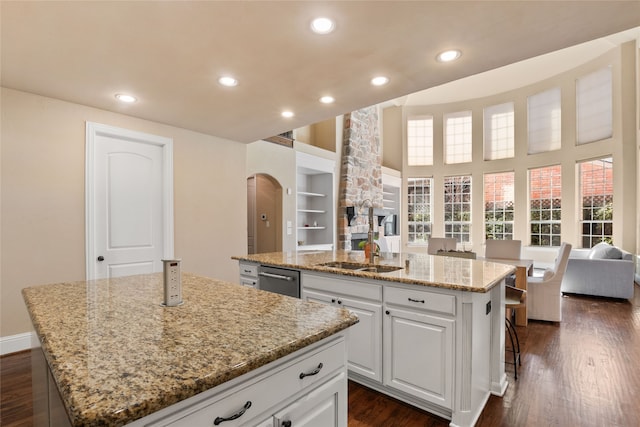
583 371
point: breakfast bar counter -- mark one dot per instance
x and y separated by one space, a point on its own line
115 354
413 268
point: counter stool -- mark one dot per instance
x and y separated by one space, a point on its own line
514 298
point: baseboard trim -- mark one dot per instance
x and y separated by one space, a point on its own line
15 343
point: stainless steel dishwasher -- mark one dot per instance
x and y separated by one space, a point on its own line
279 280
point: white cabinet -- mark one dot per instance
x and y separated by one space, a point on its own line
320 408
419 345
315 205
308 390
248 274
365 300
418 355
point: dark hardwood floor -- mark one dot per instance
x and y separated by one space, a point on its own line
584 371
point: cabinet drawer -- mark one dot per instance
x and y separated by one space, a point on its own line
250 270
248 281
263 394
335 284
420 299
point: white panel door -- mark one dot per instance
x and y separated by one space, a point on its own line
418 355
128 224
365 338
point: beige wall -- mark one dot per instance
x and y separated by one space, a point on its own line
279 162
621 147
392 138
42 197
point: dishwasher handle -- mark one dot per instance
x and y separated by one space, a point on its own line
276 276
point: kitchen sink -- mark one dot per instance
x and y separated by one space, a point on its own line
356 266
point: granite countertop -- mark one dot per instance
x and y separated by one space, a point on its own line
117 355
425 270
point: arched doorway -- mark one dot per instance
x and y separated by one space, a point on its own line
264 214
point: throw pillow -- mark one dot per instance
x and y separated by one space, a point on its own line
605 251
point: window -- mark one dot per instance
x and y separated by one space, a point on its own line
498 132
545 210
420 141
457 208
544 121
596 196
498 205
457 138
419 210
594 106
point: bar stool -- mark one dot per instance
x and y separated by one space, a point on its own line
514 298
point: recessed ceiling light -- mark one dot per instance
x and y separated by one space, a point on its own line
228 81
322 25
327 99
448 55
123 97
379 81
287 114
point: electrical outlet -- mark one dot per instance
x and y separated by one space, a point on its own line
172 282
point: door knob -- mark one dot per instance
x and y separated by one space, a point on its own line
100 258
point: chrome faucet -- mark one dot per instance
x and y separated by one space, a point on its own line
372 252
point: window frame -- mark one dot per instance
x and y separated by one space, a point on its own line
505 224
553 223
605 209
429 212
458 228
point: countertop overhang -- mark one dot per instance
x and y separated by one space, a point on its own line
425 270
117 355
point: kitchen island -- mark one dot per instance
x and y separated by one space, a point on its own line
114 355
431 330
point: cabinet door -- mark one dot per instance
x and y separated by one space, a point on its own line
418 355
365 338
364 345
326 406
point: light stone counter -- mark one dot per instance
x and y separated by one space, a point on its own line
426 270
117 355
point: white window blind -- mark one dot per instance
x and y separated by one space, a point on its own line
594 106
498 131
457 137
420 141
544 121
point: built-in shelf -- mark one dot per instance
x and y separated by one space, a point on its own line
315 201
391 186
308 194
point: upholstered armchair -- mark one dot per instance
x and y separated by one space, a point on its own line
543 293
436 244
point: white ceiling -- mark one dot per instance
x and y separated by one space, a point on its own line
170 54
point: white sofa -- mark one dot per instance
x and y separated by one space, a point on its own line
603 270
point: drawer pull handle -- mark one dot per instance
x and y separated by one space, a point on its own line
286 423
276 276
416 300
312 373
237 415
